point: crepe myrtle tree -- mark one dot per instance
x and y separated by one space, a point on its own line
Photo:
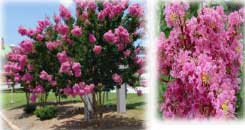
103 37
18 71
82 54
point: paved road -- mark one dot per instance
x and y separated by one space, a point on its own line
4 125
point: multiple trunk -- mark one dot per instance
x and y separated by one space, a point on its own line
94 103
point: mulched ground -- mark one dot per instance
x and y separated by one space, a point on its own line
70 117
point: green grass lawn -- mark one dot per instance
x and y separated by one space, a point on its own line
133 101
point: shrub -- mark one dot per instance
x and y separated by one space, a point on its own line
46 112
30 108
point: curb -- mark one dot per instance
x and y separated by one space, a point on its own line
11 125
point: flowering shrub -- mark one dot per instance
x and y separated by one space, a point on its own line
200 62
76 56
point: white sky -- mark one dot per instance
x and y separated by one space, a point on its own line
66 3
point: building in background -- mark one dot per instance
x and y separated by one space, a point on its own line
4 50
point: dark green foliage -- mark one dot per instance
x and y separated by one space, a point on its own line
46 112
29 108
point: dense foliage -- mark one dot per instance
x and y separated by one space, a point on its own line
46 112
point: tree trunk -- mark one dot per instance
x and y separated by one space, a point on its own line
100 106
27 98
88 107
121 99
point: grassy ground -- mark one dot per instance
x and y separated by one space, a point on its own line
133 101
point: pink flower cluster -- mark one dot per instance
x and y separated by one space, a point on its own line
85 4
202 59
64 12
112 10
51 45
63 29
37 90
120 37
92 38
175 13
67 66
79 89
76 31
42 24
117 78
62 56
135 10
27 77
97 49
26 45
16 62
45 76
71 68
22 30
31 32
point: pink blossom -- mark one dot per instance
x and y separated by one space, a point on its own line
79 89
29 67
22 30
135 10
126 53
122 35
109 36
31 32
174 12
27 77
82 4
64 12
62 29
89 88
39 37
43 23
62 57
53 83
137 50
76 67
141 70
33 98
67 91
65 68
92 5
51 45
97 49
76 89
234 19
26 45
17 78
39 30
38 89
101 15
57 19
117 78
85 15
111 10
92 38
118 9
77 31
139 61
45 76
120 47
199 59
